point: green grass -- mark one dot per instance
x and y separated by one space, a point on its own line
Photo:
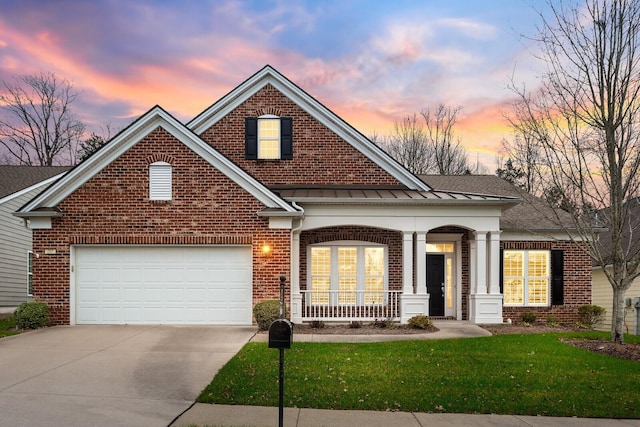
531 374
7 327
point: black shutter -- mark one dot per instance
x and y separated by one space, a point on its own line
251 138
286 138
557 277
502 271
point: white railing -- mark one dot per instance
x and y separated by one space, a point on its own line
351 305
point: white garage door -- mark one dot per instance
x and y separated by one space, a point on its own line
163 285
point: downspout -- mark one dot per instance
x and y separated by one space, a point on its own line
295 263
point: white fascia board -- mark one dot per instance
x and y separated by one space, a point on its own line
41 184
537 235
126 139
270 76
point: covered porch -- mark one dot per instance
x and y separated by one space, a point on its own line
393 254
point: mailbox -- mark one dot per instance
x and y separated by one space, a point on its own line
280 334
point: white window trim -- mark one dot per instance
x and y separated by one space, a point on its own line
525 261
361 245
278 139
30 273
160 181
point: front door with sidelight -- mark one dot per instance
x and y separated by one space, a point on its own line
435 284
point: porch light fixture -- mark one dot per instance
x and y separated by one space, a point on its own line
266 249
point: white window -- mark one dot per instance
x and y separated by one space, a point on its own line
347 274
526 277
160 181
269 137
30 273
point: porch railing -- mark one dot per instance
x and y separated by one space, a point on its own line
350 305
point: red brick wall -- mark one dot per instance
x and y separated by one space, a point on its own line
320 157
114 208
393 240
577 282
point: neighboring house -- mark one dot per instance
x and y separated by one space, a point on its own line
194 224
18 185
602 290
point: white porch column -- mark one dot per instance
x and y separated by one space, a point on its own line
407 263
481 262
494 262
473 283
421 261
485 307
412 303
295 309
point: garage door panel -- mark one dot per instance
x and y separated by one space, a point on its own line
163 285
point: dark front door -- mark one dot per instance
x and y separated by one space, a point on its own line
435 284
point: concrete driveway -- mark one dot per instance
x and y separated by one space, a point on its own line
110 375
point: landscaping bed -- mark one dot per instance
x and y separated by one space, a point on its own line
629 351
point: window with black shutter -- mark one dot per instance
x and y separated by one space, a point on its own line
268 137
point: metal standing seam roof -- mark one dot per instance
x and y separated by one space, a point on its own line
372 195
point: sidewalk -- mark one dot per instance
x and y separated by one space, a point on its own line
202 414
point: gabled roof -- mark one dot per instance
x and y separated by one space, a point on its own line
154 118
531 214
16 178
269 76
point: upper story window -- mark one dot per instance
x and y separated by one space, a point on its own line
268 137
160 181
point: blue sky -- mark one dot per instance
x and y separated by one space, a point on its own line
371 62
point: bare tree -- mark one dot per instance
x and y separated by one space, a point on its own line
37 125
450 158
428 146
585 121
408 145
523 160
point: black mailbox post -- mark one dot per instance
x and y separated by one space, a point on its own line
280 333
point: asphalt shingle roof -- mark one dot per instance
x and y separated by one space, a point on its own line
16 178
530 214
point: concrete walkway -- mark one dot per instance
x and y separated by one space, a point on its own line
201 414
446 329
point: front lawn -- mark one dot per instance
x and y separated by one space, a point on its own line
532 374
7 326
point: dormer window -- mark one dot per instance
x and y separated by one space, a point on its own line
268 137
160 181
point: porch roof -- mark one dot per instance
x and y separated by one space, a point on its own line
390 195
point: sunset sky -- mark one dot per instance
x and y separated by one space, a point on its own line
371 62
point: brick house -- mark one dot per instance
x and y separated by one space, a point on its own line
195 223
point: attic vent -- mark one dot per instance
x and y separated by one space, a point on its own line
160 181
